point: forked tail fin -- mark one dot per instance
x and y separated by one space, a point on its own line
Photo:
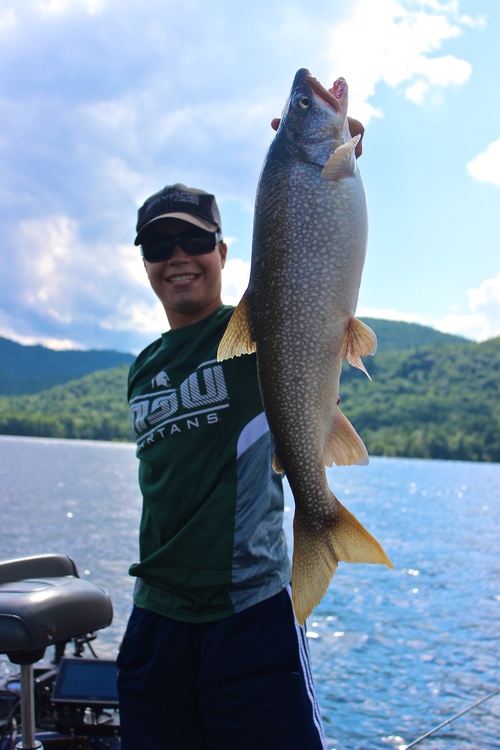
318 551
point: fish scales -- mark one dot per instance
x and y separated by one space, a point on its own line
308 252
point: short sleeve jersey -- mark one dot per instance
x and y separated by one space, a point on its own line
211 533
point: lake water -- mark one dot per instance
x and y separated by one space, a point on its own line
394 653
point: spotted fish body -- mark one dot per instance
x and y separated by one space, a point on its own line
309 247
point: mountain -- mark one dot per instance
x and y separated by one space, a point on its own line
395 335
440 401
434 400
91 408
32 369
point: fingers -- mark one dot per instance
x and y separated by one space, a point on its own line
356 128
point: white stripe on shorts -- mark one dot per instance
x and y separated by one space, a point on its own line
305 662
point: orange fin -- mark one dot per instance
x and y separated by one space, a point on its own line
342 163
238 338
277 467
318 551
359 341
344 447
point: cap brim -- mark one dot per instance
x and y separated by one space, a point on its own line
201 223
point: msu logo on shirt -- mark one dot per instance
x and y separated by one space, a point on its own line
169 410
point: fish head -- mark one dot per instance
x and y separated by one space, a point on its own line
314 119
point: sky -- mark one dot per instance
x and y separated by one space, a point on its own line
103 102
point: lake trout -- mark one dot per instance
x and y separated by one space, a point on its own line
309 244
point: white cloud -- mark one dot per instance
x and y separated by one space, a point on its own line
400 39
476 327
143 317
485 167
389 314
235 280
58 7
483 320
8 19
487 295
81 149
52 245
48 341
132 265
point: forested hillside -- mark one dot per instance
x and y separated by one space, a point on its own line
31 369
92 408
433 402
395 335
440 401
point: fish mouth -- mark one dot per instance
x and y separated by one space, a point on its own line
334 96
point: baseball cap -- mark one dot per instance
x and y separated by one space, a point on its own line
179 202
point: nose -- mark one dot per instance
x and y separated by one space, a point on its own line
178 253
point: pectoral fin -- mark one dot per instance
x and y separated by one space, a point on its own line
276 464
344 447
238 338
318 551
342 163
359 341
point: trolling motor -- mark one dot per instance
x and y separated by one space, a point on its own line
44 602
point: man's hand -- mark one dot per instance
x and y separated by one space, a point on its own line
355 128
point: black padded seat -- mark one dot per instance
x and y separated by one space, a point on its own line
43 602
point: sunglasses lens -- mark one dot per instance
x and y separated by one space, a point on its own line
155 252
158 251
197 245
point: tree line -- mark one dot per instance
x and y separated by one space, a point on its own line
439 401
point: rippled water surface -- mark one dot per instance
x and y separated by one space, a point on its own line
394 653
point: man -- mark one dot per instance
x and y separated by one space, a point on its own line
212 658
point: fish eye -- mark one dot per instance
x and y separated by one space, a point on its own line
304 102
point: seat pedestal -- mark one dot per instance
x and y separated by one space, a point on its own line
43 602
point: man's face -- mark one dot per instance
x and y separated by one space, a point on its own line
189 287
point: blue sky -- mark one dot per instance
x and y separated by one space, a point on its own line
102 102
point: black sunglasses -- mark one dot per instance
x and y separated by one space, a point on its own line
154 252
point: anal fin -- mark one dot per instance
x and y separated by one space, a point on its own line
343 446
238 338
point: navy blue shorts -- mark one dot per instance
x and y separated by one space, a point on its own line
241 683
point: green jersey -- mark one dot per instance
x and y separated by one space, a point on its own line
211 535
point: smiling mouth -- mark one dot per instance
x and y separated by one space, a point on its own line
182 278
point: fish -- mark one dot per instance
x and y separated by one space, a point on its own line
298 315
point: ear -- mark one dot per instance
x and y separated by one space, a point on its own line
223 253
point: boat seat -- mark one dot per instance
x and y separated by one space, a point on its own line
43 601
